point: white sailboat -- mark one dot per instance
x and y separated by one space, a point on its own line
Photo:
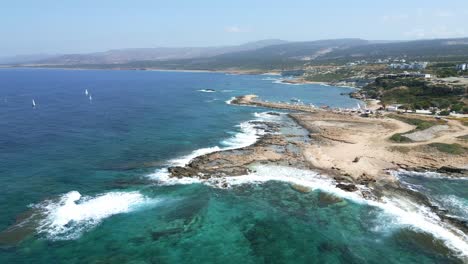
86 92
90 98
33 103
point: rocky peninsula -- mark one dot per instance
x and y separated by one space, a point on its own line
352 148
355 152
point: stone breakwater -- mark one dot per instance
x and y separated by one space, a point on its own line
251 100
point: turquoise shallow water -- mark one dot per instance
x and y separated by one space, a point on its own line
75 172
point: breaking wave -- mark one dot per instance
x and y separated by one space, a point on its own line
72 214
206 91
247 135
395 212
230 100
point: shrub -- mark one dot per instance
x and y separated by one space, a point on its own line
454 149
400 138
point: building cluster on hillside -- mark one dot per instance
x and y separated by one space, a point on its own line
407 74
462 67
409 66
359 62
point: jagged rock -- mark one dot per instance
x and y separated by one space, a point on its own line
347 187
273 113
326 199
180 172
449 169
365 179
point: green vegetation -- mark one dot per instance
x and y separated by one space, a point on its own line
418 93
420 124
445 69
454 149
420 50
400 138
329 77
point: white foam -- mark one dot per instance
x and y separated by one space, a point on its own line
271 74
281 81
247 136
267 116
73 214
405 212
421 218
270 79
206 91
455 204
396 212
230 100
425 174
307 178
184 160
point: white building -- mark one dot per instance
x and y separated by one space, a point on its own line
409 66
462 67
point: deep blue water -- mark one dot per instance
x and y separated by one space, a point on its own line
137 121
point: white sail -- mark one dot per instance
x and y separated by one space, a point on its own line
33 103
90 98
86 92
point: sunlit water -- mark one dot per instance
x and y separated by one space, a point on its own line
83 180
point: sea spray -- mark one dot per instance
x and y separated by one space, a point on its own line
249 134
72 214
397 212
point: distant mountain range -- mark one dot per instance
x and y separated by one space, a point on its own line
139 54
265 54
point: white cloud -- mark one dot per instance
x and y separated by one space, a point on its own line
236 29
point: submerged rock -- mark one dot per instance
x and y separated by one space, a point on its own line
156 235
450 169
326 199
300 188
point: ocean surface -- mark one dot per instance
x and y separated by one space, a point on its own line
84 179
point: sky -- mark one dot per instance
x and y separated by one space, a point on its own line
82 26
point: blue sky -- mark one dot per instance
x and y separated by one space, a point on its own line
67 26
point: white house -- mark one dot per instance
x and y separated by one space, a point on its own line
462 67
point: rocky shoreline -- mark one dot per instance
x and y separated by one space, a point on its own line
272 148
294 149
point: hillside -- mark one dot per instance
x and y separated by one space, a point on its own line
429 50
267 55
276 56
153 54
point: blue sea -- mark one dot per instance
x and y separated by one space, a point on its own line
83 179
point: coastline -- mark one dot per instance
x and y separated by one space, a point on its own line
236 163
332 159
300 81
61 67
